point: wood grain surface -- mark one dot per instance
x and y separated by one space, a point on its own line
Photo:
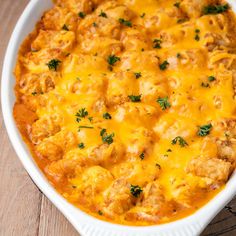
24 210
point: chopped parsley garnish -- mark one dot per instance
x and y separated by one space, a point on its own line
85 127
158 165
135 190
53 64
134 98
211 78
204 130
181 20
169 150
227 134
137 75
112 59
82 113
95 24
125 22
197 37
65 27
142 16
107 116
205 85
90 118
141 156
100 213
177 4
164 103
103 14
102 132
34 93
215 9
180 141
107 138
81 145
178 55
157 43
81 15
163 65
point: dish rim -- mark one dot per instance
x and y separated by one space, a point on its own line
84 223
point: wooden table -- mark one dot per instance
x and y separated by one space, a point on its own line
24 210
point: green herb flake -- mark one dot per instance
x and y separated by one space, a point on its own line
81 15
102 132
211 78
164 103
215 9
157 43
103 14
158 166
143 15
125 22
95 24
227 134
205 85
106 138
169 150
107 116
65 27
177 4
100 213
134 98
197 37
178 55
85 127
81 145
112 59
53 64
181 20
180 141
82 113
204 130
164 65
34 93
142 156
135 190
137 75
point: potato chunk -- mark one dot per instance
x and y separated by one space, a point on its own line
215 169
93 181
106 154
152 206
57 17
43 128
37 83
193 8
63 40
117 198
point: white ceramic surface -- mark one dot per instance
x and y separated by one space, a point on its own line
85 224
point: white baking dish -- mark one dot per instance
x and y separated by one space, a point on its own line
85 224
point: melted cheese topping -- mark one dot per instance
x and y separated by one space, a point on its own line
129 106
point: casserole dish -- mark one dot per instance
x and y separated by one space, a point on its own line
86 225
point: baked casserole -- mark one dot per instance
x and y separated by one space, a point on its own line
128 107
